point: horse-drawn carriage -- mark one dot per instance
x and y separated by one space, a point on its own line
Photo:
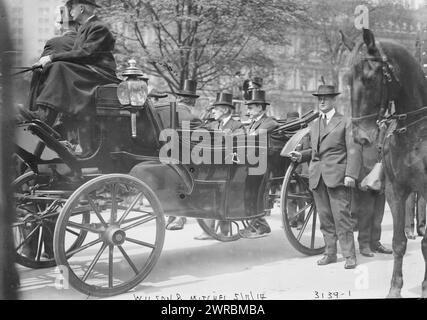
101 218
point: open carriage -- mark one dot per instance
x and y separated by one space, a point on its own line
101 219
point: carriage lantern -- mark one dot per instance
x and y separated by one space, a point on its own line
133 91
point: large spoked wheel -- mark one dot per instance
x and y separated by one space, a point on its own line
221 230
299 214
125 236
37 209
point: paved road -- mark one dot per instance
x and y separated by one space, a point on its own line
265 268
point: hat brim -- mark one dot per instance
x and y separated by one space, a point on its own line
69 2
158 96
326 94
257 102
187 94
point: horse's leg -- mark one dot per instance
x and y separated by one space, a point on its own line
424 250
396 198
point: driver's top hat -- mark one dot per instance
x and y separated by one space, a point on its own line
189 89
91 2
224 99
257 81
326 90
257 96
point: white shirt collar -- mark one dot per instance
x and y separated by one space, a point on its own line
328 114
259 117
225 120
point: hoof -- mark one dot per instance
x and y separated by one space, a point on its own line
394 294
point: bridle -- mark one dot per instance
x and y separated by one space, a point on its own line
384 116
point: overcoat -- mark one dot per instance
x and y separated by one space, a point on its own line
265 122
72 77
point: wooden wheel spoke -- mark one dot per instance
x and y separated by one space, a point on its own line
95 209
94 262
127 258
141 243
136 224
83 227
110 266
113 216
298 196
300 211
313 231
72 232
39 245
79 249
301 232
28 237
128 210
136 218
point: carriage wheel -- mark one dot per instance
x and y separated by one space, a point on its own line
35 220
299 213
125 236
221 230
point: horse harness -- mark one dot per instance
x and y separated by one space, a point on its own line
389 123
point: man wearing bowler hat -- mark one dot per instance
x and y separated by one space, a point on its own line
333 171
71 77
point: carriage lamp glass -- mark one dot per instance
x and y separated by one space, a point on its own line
132 92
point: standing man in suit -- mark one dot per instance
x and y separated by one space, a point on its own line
332 173
415 208
367 206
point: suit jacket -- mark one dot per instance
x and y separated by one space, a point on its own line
94 45
232 125
60 44
333 153
265 122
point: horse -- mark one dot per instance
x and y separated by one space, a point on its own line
382 74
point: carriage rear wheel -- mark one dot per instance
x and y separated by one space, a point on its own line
221 230
299 214
36 212
125 236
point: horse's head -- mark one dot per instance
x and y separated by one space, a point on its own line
365 79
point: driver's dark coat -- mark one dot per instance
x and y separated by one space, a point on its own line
70 81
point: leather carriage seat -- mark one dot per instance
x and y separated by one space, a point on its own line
106 96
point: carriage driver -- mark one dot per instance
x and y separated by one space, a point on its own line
71 78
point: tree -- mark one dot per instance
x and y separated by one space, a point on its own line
335 15
199 39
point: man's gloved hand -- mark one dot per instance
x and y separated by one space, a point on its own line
349 182
42 62
295 156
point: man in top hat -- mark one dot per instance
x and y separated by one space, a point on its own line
63 43
185 109
332 173
71 78
257 108
259 122
254 83
187 102
222 112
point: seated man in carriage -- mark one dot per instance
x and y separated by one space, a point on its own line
257 108
70 78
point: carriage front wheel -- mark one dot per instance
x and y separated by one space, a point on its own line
299 214
124 239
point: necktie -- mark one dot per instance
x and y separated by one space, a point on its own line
324 122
